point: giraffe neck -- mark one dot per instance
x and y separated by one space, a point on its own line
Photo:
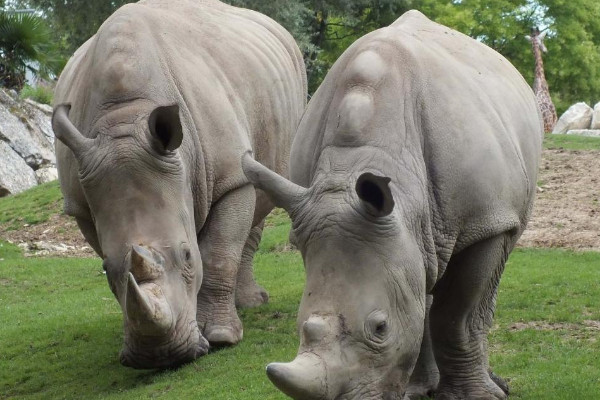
540 88
539 81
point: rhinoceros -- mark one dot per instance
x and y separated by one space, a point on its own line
413 174
153 115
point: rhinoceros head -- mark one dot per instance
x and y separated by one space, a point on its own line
361 317
141 205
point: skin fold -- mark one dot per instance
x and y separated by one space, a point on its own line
152 115
413 174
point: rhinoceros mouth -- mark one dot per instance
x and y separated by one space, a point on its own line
162 353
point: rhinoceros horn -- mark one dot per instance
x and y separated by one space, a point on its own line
147 308
67 133
283 193
303 378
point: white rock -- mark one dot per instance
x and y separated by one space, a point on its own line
45 108
25 138
596 117
15 175
584 132
578 116
46 174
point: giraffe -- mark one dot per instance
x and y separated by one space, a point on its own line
540 86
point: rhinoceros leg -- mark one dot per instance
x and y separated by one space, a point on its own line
221 244
248 293
425 377
461 315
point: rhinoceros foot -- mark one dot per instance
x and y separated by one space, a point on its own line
502 384
218 322
418 392
250 295
487 391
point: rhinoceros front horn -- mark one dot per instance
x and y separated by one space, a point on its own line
283 193
67 133
302 379
147 309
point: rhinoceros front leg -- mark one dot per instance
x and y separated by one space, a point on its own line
221 244
461 315
248 293
425 377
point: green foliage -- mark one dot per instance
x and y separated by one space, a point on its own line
323 29
25 44
571 142
61 330
32 206
572 63
75 21
40 93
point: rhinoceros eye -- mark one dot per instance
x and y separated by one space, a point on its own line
381 328
187 270
377 327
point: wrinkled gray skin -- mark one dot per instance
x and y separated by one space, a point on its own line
414 171
153 114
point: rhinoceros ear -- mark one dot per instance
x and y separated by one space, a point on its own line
165 127
375 193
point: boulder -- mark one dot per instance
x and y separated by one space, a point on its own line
46 174
26 144
584 132
596 117
578 116
19 130
15 175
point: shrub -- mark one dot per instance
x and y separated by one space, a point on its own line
41 94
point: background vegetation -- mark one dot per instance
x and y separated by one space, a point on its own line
325 28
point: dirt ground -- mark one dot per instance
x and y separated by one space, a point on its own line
567 208
566 212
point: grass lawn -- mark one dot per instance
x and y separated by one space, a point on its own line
60 326
60 330
571 142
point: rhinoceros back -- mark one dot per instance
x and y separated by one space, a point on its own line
237 76
451 121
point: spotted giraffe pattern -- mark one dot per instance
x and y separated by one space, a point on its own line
540 86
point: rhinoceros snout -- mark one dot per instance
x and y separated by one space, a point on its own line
176 352
302 379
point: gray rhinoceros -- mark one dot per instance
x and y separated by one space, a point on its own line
414 172
153 115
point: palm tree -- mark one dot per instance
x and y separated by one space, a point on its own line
25 44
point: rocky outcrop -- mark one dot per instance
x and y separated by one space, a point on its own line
15 174
596 117
26 144
578 116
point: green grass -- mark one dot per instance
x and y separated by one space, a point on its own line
571 142
32 206
60 327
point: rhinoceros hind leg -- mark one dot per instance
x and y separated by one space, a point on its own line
221 243
425 377
248 293
461 315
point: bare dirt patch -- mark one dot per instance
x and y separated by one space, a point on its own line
555 326
566 213
567 208
59 236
